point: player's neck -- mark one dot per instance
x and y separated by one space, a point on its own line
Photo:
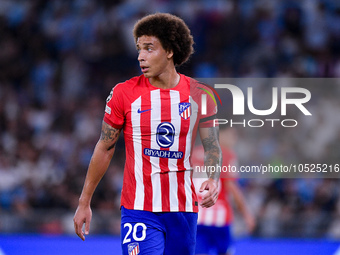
166 80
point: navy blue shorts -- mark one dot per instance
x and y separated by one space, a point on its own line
151 233
213 240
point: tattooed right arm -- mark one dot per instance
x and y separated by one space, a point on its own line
99 163
109 136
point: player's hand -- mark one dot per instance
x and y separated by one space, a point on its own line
250 223
83 215
210 198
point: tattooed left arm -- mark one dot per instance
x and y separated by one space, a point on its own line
212 150
212 159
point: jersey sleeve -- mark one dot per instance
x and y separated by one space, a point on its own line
207 119
114 109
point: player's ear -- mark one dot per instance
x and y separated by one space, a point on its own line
170 54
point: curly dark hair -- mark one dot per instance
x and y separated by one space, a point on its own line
171 31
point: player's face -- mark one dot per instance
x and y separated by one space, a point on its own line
152 57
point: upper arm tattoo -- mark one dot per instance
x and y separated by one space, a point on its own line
109 135
212 149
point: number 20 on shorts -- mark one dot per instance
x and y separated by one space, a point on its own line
134 230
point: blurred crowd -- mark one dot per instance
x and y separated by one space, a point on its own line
60 59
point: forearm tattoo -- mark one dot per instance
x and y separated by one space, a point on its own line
213 153
109 135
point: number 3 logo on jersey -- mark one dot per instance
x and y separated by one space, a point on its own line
165 134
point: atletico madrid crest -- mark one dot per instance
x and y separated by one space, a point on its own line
133 248
184 110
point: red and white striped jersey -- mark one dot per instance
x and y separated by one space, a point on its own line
221 213
160 126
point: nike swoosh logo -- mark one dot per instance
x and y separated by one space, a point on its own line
139 111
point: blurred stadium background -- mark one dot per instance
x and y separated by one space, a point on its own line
58 63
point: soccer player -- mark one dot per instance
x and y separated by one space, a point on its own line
213 230
160 113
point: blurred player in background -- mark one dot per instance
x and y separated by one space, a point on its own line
160 115
213 230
